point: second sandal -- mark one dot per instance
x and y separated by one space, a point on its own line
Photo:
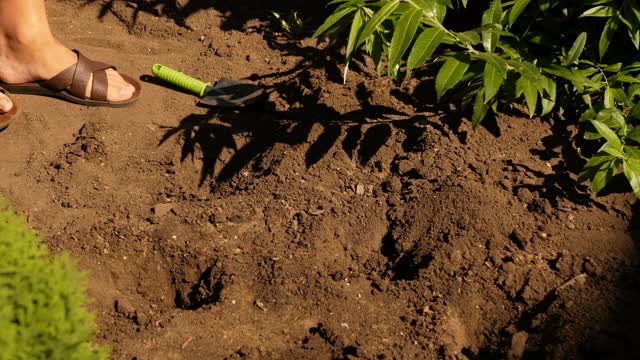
8 117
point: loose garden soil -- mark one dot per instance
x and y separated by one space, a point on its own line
337 222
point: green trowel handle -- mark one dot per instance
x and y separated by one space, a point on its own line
179 79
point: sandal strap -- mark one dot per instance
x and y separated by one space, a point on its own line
75 79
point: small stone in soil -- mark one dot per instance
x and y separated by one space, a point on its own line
578 280
591 267
518 345
316 212
260 305
405 166
360 189
162 209
125 308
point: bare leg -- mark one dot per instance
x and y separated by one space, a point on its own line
30 52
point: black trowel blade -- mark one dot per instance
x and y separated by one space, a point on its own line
232 93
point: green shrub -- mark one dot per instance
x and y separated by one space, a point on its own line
42 314
573 57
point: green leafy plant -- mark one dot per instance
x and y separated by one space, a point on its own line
550 55
42 314
292 26
619 151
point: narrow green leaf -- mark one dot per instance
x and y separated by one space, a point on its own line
588 71
592 136
597 78
480 108
451 72
548 103
633 91
404 32
516 10
356 27
588 115
607 148
376 20
609 101
425 45
576 49
633 66
619 96
600 11
332 20
632 173
509 51
529 70
493 59
634 114
492 16
441 11
593 166
579 80
635 38
625 22
625 79
612 117
471 37
604 175
613 67
530 91
431 9
634 134
608 134
344 2
631 12
632 152
493 79
377 45
607 35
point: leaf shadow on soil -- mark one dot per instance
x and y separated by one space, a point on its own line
235 13
251 132
565 147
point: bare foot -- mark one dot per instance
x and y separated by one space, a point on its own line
27 60
5 104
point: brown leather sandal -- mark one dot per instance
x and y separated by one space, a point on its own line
71 84
8 117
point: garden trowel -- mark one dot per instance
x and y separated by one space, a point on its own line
224 93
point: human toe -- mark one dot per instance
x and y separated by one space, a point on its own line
119 88
5 103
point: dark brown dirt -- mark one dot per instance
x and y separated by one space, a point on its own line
340 221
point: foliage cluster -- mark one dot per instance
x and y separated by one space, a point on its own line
292 25
42 314
554 56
